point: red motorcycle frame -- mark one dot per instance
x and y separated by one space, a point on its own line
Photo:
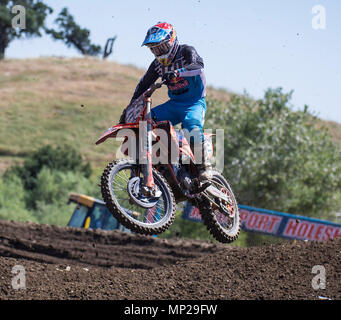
214 199
175 139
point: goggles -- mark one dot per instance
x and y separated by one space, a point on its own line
161 49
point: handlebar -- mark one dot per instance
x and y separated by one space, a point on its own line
153 88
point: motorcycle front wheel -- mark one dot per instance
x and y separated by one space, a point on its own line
121 184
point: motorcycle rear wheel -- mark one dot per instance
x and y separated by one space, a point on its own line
223 228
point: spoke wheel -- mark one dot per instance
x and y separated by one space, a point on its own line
221 217
121 191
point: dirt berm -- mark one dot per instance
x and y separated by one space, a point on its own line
69 263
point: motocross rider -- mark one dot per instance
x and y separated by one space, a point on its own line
182 70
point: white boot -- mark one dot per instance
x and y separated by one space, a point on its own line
203 163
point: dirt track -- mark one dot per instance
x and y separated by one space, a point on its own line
68 263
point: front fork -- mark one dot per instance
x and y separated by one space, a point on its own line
146 149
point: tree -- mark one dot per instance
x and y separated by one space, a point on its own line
276 158
73 35
38 189
35 15
61 158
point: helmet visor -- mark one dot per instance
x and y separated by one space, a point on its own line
161 48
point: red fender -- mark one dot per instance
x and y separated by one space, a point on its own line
112 132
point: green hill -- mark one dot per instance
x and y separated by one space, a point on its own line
55 100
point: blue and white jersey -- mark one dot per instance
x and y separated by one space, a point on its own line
188 87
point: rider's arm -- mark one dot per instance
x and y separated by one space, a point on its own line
146 81
194 64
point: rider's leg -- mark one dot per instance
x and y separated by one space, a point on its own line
193 121
166 111
192 117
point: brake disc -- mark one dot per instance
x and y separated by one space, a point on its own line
135 193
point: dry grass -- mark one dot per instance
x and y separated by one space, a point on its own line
62 100
334 128
53 100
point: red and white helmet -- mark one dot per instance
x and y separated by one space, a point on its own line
162 40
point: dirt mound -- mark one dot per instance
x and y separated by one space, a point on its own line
69 263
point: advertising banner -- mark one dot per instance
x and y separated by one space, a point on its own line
278 224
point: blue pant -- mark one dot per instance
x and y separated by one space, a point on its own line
190 114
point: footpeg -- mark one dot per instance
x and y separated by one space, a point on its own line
198 187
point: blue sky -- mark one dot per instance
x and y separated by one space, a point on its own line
246 45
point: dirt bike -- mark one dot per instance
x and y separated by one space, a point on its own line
142 195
